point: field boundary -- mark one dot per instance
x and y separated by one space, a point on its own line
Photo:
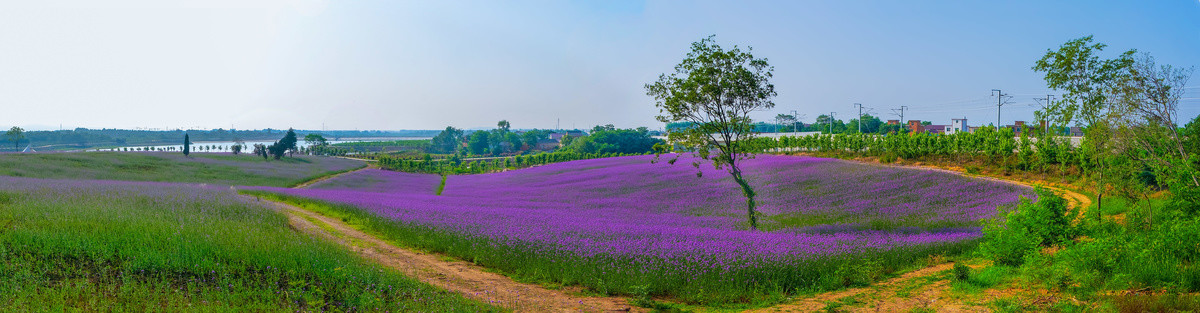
470 280
327 176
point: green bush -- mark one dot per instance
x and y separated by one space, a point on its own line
961 272
1033 224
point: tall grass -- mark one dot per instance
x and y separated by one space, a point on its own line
113 246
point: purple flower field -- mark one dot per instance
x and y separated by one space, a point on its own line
645 218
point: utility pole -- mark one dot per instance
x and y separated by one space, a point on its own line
795 121
830 121
860 107
1045 104
901 109
999 102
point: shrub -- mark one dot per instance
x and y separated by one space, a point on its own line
961 272
1023 230
887 158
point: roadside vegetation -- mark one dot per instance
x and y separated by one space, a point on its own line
496 150
1133 247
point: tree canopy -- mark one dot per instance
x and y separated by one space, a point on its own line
716 89
1085 79
15 134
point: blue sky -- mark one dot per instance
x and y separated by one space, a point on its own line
428 64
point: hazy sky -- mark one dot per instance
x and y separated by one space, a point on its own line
428 64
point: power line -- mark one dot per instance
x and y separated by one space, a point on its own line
860 107
999 102
902 108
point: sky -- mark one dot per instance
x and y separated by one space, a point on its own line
388 65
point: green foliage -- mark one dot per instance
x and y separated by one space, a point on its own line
962 272
315 140
284 145
1031 225
15 134
448 141
388 146
623 141
193 249
715 90
478 143
187 145
1085 79
441 186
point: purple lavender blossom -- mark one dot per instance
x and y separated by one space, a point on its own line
631 208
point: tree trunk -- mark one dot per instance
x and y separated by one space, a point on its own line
1100 198
1150 209
751 214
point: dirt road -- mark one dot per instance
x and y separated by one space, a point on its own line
462 277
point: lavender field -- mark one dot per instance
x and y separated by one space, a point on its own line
626 226
93 245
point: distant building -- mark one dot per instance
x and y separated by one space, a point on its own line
915 126
1075 131
893 122
957 125
1017 127
548 144
557 136
937 129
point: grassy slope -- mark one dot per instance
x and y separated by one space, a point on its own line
220 169
1123 264
90 246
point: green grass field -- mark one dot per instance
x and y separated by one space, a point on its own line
79 245
211 168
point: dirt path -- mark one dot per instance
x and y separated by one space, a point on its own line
462 277
1074 199
921 289
328 177
908 291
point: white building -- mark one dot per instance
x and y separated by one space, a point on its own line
957 125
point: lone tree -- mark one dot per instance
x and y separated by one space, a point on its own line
187 145
15 134
315 140
285 145
715 90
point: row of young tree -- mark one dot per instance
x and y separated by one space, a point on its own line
457 165
283 146
1037 151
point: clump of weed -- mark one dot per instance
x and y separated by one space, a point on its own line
887 158
961 272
